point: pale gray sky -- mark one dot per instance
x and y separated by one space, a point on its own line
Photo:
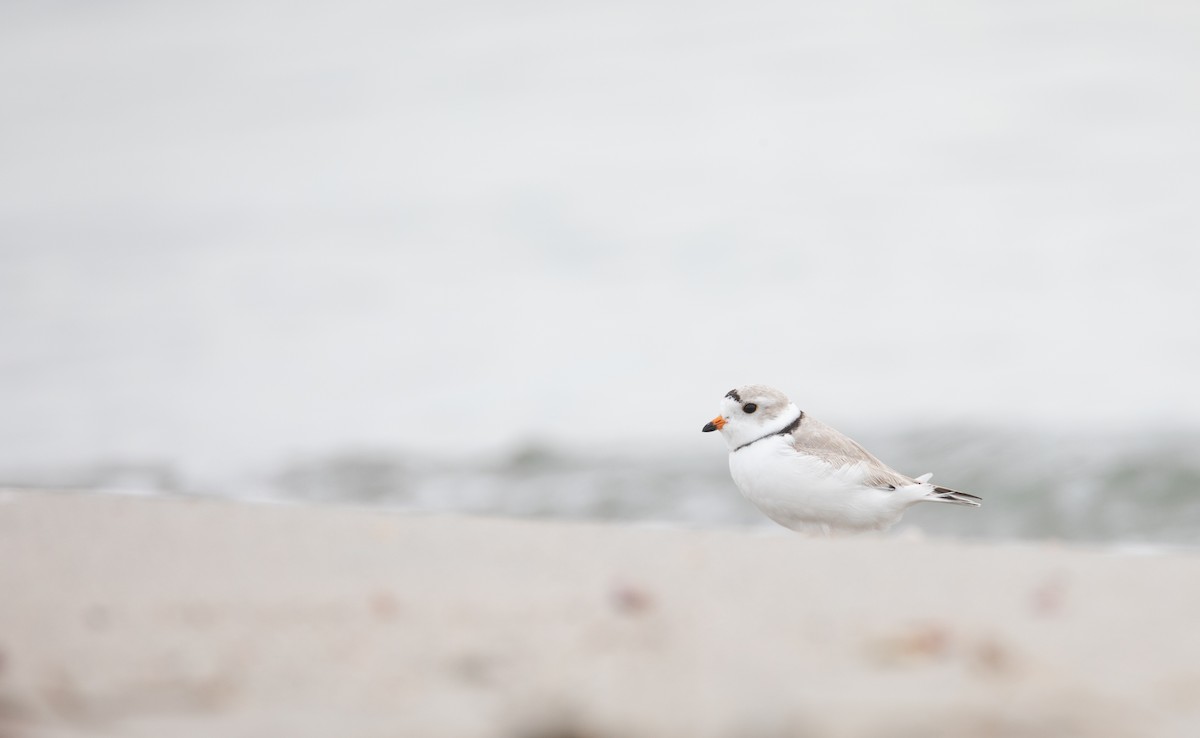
236 230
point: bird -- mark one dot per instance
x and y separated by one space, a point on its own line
808 477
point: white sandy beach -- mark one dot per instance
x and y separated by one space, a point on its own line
141 617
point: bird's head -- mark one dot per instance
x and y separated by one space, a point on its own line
751 412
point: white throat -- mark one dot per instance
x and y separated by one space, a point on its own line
738 435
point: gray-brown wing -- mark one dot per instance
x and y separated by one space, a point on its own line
814 438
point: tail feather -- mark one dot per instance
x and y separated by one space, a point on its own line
945 494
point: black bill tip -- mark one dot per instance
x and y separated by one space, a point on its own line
708 428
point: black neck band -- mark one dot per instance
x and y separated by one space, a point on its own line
783 432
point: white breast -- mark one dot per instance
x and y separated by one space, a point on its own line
805 493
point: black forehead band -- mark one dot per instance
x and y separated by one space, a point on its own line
734 395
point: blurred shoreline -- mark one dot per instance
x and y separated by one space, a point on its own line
138 617
1106 488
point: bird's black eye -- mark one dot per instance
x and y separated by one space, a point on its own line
749 407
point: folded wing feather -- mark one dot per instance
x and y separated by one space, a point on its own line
814 438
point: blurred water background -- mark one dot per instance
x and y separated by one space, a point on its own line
506 258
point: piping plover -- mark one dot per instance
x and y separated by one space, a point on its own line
806 476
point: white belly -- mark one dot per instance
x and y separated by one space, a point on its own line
805 493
